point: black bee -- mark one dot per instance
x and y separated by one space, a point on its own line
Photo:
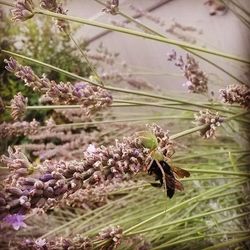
164 173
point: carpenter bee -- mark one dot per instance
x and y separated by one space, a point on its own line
159 166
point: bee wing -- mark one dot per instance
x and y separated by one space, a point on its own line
180 172
179 185
170 185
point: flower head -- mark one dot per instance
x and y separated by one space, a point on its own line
53 6
236 94
91 149
18 106
50 5
112 233
23 10
216 7
112 7
212 120
15 220
196 78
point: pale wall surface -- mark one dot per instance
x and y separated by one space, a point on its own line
225 33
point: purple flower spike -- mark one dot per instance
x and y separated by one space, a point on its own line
15 220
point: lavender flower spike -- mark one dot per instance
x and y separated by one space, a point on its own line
91 98
23 10
18 106
196 78
18 128
52 181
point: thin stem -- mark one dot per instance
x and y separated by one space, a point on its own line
240 7
186 202
7 3
236 115
200 229
127 91
188 131
218 246
86 58
131 19
207 171
192 130
150 118
227 243
241 18
189 218
139 34
217 152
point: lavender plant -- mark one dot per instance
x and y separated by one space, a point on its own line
82 184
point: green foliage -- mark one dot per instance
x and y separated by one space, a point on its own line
40 40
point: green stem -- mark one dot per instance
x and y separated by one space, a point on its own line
218 172
218 246
188 219
236 115
195 129
199 229
241 18
86 59
189 50
186 202
138 34
82 124
188 131
209 178
127 91
240 7
217 152
229 243
7 3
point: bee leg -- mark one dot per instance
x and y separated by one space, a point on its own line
150 171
